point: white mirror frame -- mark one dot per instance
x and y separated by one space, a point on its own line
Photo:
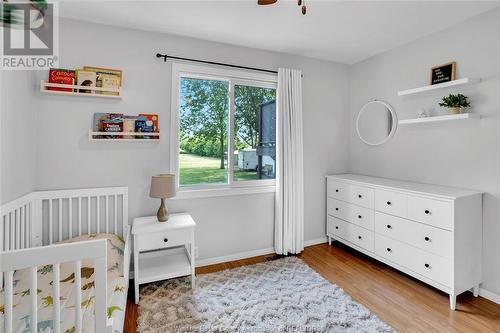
394 122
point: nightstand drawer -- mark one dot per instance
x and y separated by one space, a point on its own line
161 240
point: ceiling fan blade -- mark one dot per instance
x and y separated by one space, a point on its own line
266 2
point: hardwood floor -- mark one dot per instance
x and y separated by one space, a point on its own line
399 300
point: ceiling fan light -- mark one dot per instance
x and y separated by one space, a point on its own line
266 2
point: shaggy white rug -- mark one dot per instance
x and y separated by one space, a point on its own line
283 295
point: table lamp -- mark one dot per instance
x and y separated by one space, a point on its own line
162 187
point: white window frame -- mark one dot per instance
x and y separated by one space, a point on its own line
233 77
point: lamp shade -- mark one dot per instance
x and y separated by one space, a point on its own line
162 186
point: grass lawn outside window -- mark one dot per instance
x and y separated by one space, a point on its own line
196 170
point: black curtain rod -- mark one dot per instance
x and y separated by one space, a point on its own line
165 57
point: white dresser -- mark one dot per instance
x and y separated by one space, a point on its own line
432 233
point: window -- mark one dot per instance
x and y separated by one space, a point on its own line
224 128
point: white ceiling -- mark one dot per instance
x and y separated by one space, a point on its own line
341 31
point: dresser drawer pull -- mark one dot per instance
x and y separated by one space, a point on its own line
360 217
427 212
427 266
389 249
337 209
389 226
360 196
165 240
427 239
336 227
389 203
359 237
337 190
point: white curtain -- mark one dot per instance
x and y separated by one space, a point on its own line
289 205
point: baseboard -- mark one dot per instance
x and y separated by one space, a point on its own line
315 241
235 256
489 295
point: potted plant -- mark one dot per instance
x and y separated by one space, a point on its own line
454 103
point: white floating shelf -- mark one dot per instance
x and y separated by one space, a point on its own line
95 91
151 137
454 83
461 116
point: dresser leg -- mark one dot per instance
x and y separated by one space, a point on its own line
453 301
329 240
475 290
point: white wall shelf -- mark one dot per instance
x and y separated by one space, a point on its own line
461 116
95 91
454 83
137 136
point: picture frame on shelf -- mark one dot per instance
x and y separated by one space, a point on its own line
443 73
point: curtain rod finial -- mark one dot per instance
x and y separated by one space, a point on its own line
164 56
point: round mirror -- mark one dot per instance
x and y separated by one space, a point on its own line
376 123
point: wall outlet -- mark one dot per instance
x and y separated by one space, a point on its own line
196 252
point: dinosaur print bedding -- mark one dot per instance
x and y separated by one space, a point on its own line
116 300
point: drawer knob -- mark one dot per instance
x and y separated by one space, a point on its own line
336 227
359 216
336 209
360 196
427 265
389 226
427 212
165 240
337 190
359 237
427 239
389 203
389 249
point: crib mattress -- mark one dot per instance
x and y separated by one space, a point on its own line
116 296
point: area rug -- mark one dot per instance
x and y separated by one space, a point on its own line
283 295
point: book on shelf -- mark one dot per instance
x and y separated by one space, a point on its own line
86 79
61 76
106 78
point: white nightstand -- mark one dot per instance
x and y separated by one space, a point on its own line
163 250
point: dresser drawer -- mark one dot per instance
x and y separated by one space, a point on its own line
337 208
160 240
337 190
351 233
426 264
337 227
391 203
433 212
359 195
427 238
351 213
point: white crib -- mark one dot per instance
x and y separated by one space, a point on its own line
29 227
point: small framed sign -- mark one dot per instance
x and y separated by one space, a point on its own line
443 73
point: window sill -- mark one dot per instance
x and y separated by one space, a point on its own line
194 193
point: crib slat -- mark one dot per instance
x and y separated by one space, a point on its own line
57 299
116 215
30 224
16 228
98 215
78 296
59 217
79 216
50 221
100 293
23 221
9 286
7 232
34 305
107 214
88 215
70 213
